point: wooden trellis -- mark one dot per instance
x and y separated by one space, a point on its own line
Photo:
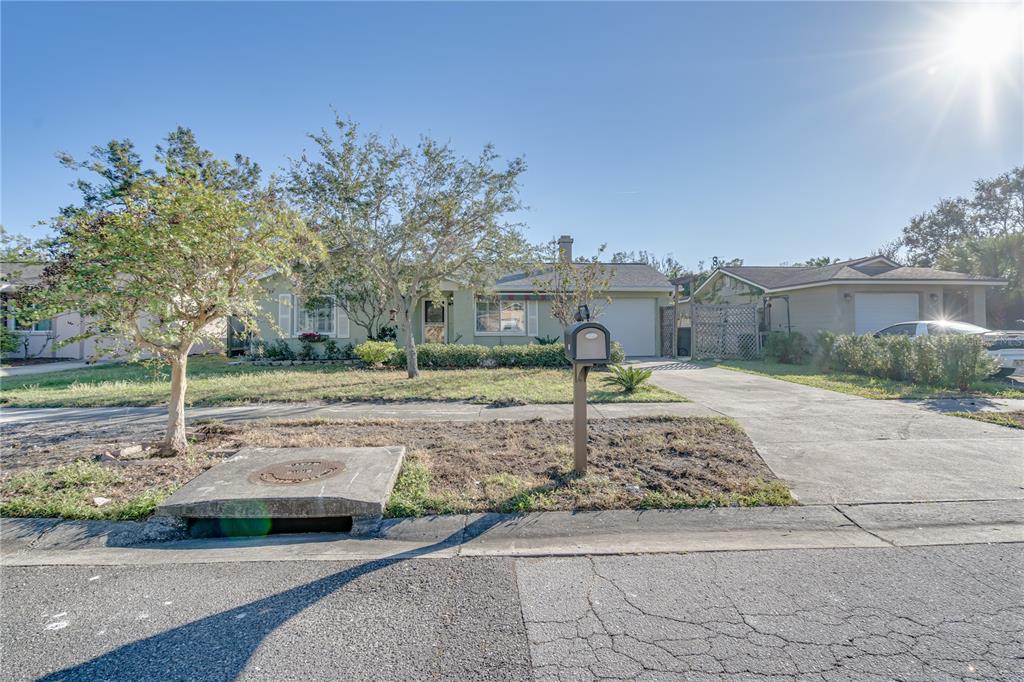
726 332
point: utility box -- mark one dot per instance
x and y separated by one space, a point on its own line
588 343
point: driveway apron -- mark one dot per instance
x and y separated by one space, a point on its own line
832 447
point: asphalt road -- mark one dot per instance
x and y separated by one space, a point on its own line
934 613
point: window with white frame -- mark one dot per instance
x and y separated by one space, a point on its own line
500 316
318 318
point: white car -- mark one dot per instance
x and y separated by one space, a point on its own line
1007 347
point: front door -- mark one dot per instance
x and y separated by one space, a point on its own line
435 327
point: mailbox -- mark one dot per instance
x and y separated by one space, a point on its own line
588 343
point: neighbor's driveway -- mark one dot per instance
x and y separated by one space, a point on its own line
834 447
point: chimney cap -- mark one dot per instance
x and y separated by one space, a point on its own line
565 238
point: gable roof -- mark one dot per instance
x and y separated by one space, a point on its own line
869 270
624 277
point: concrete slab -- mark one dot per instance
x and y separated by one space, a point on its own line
259 483
837 448
942 523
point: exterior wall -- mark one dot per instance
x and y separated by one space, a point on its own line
460 319
979 313
811 310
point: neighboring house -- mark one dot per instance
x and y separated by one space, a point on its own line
852 297
510 312
44 337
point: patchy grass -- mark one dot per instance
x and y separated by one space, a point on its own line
1014 420
504 466
869 387
134 487
212 381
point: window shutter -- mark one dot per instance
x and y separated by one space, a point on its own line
284 314
340 322
531 318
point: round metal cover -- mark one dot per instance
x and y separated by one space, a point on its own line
298 471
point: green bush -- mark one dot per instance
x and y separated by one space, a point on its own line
629 379
280 350
547 340
541 355
375 353
618 354
954 361
469 356
8 340
789 349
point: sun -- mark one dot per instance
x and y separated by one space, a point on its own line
984 38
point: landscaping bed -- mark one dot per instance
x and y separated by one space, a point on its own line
451 467
871 387
214 381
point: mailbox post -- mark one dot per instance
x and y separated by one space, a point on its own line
586 344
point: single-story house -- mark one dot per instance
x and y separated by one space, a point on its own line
857 296
42 339
509 312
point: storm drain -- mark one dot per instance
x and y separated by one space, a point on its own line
237 528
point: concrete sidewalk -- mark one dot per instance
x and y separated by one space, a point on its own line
50 541
448 411
837 448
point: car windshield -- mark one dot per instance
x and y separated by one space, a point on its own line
948 327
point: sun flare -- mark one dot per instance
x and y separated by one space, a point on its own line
984 37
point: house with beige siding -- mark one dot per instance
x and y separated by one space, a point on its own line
511 311
857 296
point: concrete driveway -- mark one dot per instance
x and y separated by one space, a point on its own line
834 447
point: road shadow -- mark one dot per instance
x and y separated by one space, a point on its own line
218 647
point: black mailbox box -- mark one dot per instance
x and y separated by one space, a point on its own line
588 343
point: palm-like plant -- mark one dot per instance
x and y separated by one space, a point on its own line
629 379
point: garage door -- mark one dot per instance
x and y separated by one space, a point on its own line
875 311
631 322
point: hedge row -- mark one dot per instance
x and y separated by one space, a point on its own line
466 356
952 361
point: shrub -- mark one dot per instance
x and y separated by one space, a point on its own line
547 340
964 361
618 353
376 353
386 333
8 340
468 356
629 379
789 349
955 361
280 350
331 350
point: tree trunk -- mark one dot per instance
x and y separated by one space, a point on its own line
175 442
411 364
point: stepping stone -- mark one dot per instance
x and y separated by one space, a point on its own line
291 483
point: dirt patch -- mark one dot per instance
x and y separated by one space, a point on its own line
1014 419
527 465
451 467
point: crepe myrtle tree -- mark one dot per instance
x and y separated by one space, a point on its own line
568 284
411 219
159 258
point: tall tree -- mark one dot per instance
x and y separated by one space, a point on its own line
570 283
159 258
410 218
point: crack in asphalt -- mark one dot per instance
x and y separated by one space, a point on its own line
952 613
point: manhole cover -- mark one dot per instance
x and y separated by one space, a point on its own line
299 471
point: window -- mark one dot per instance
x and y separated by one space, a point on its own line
500 316
319 319
899 330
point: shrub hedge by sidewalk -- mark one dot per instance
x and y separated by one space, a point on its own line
467 356
953 361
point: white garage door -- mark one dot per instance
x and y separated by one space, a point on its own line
876 311
631 323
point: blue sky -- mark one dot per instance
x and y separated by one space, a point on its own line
765 131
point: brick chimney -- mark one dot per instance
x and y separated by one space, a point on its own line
565 248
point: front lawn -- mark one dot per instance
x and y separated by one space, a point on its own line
868 387
212 381
450 467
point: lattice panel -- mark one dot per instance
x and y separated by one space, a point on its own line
727 332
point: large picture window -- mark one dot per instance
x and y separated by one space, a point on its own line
500 316
319 319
